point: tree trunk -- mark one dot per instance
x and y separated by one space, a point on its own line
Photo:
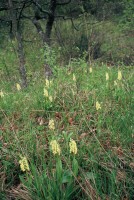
17 35
50 21
47 34
39 29
21 57
49 25
37 23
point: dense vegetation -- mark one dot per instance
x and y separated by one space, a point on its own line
66 100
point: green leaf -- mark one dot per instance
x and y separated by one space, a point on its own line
75 167
67 177
90 175
59 170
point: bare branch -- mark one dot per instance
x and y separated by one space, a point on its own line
1 9
40 8
74 25
64 3
5 20
23 7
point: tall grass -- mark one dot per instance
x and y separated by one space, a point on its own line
103 166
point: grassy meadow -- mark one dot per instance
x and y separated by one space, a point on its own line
70 138
100 164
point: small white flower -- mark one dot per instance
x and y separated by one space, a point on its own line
1 94
50 98
46 92
90 69
98 106
74 78
119 75
51 124
107 76
18 86
115 83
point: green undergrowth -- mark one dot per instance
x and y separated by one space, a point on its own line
103 167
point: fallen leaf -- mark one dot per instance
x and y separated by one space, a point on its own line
131 165
58 115
40 121
83 135
70 120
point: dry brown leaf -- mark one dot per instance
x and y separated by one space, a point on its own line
121 175
70 120
83 135
131 165
13 127
19 192
118 151
92 192
58 115
62 127
2 128
1 137
40 121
